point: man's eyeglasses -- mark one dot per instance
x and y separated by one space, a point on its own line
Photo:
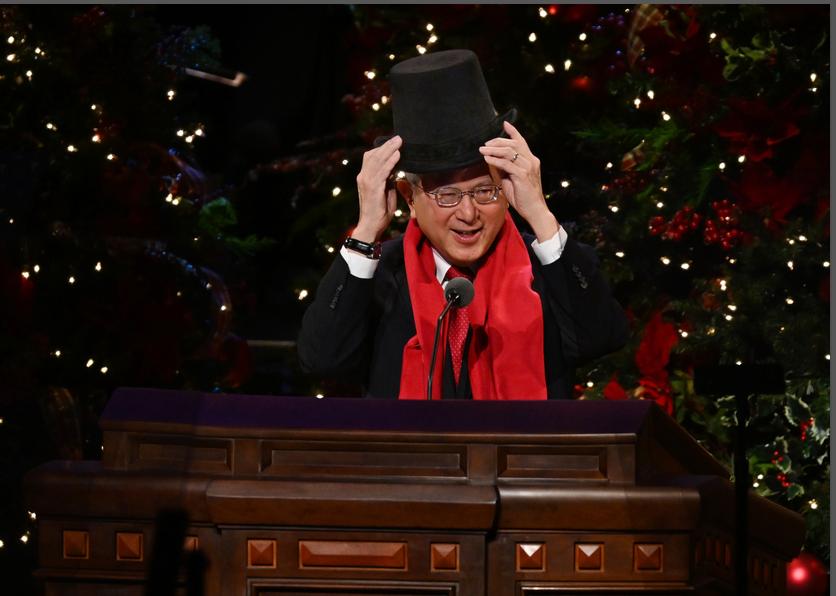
450 196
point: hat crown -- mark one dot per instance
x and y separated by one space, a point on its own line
440 97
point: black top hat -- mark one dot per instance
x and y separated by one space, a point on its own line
442 109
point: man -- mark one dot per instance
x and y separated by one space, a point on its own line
540 305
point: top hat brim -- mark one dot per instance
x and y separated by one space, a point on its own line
448 155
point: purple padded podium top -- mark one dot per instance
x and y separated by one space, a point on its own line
308 413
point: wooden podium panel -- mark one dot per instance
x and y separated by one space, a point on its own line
260 495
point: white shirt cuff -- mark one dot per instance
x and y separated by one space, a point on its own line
550 250
359 265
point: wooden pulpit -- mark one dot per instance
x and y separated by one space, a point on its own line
284 496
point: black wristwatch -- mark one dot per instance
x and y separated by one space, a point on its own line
370 250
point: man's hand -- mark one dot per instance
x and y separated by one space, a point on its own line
377 203
522 185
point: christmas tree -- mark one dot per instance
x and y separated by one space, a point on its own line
112 239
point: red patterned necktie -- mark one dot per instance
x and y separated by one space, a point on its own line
458 327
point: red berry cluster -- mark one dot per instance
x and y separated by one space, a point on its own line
782 478
723 230
805 426
685 220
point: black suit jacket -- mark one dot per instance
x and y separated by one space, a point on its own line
357 328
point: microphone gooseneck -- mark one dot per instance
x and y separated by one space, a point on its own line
458 293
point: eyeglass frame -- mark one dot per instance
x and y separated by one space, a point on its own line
496 190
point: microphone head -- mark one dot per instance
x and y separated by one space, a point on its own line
459 291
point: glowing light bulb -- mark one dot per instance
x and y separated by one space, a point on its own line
303 294
384 99
57 353
741 159
814 504
666 116
790 264
25 274
614 208
619 254
582 36
685 266
813 76
637 102
98 266
103 370
567 64
564 183
433 38
71 149
170 94
96 138
650 94
370 74
29 74
24 539
826 264
398 213
190 138
175 201
10 39
169 197
532 37
223 307
421 49
542 12
36 268
739 363
683 333
549 68
345 162
375 106
89 363
790 301
181 133
336 191
665 260
712 36
93 107
802 238
330 249
50 126
71 280
319 396
111 157
198 132
430 27
11 57
609 165
659 204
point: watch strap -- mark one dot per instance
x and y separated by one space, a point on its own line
369 249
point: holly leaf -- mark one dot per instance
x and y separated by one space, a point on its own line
784 464
794 491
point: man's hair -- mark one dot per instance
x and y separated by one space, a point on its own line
413 179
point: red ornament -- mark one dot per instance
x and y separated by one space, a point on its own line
806 576
553 9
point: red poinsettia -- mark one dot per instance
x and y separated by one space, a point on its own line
753 128
652 357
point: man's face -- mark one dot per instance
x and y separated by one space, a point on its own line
464 233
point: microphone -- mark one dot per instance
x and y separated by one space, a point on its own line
459 293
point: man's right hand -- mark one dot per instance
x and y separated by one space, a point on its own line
377 203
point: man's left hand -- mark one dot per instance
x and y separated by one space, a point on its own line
522 185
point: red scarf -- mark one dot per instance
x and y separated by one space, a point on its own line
505 358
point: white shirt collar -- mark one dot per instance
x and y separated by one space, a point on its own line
441 266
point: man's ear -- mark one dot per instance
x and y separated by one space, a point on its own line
405 190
